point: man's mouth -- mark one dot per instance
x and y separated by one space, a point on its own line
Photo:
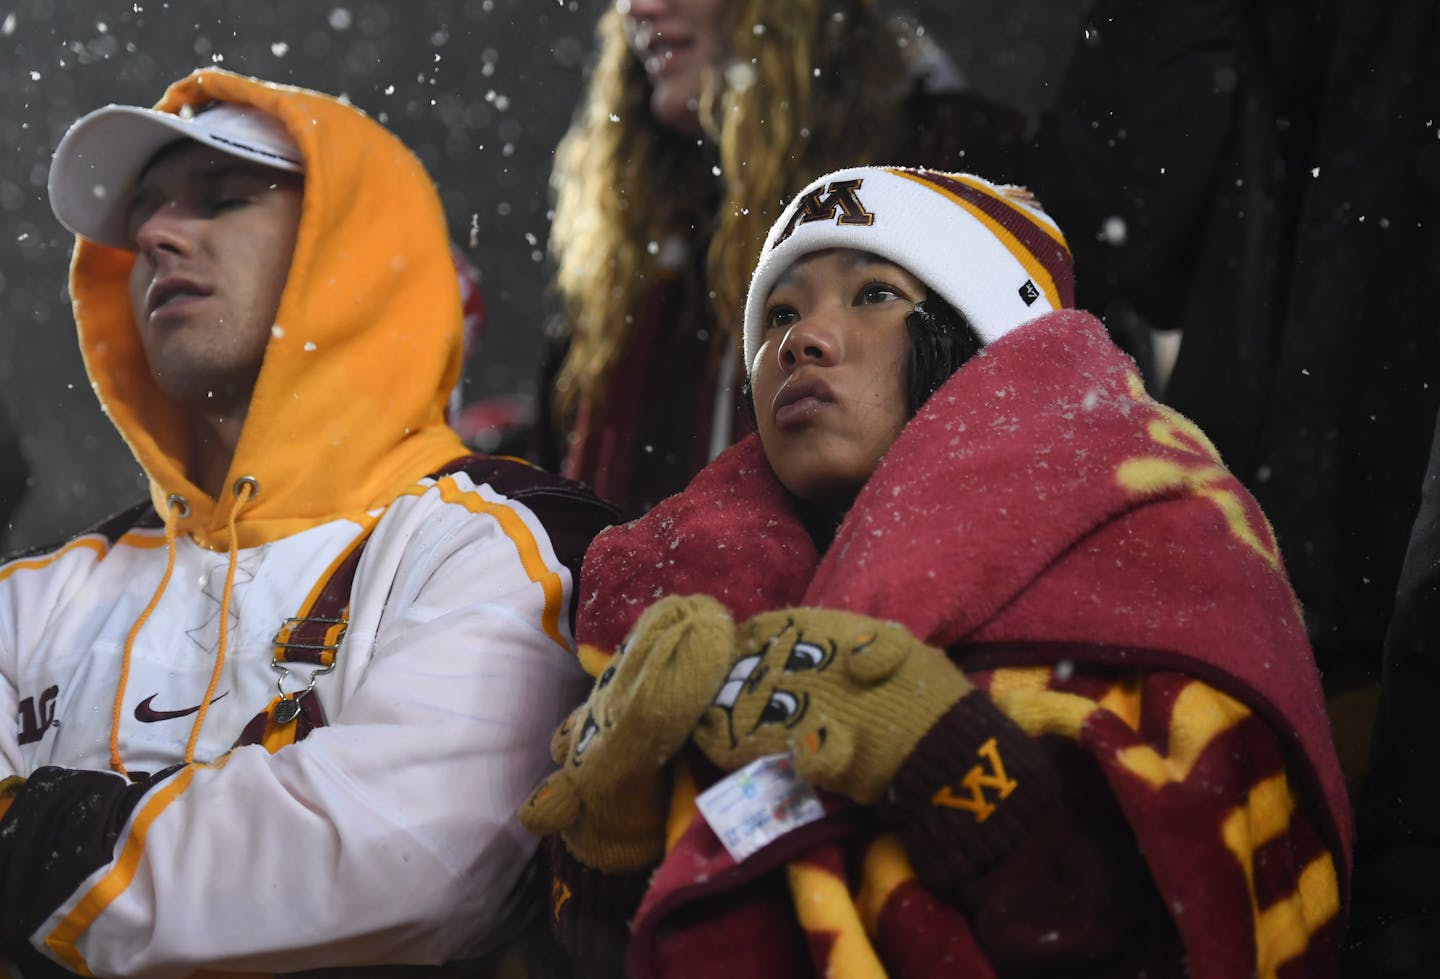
171 289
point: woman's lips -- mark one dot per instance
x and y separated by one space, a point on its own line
664 57
661 47
797 411
797 400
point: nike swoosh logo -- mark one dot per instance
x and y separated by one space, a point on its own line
146 714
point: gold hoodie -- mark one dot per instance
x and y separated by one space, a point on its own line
348 407
239 843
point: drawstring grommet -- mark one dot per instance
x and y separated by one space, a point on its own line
243 481
179 503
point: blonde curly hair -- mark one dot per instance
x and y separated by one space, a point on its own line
810 86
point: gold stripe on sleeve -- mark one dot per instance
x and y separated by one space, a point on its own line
525 545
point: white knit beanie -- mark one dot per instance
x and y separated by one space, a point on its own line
987 249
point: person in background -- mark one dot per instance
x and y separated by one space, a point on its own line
1394 933
697 123
1028 646
279 716
1259 181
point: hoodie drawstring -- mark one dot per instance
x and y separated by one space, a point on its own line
245 489
177 509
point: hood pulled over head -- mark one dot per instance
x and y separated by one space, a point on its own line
348 408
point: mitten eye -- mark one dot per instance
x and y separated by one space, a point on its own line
606 677
804 656
587 734
781 707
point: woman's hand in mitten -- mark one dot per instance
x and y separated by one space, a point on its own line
848 696
610 797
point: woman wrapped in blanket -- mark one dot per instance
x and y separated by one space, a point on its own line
1024 646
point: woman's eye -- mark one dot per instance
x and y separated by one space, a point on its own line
877 292
781 316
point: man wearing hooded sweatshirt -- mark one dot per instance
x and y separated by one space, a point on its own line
281 716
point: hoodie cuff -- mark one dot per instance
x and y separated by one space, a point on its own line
969 793
591 912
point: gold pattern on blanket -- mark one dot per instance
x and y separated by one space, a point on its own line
1205 477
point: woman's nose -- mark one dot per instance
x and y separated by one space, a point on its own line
813 340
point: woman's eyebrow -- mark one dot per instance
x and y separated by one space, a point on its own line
783 279
859 259
854 260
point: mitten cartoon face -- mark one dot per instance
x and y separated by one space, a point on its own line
770 687
841 692
608 798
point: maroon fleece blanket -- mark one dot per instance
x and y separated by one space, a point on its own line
1039 497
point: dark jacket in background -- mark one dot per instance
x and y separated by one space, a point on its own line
1396 921
1266 176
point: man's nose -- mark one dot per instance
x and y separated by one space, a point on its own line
166 229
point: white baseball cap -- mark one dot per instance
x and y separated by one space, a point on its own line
101 157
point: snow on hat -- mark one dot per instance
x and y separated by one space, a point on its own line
101 157
987 249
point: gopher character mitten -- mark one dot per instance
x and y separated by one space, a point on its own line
609 799
848 696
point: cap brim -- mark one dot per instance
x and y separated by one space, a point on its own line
101 157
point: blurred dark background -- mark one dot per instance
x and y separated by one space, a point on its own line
480 89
